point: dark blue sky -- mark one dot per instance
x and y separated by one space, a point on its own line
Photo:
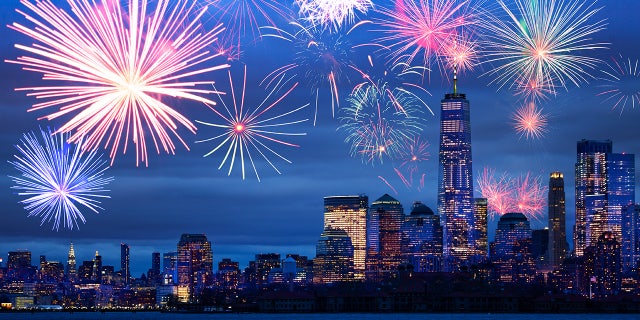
151 207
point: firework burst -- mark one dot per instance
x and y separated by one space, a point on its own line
378 125
251 131
622 83
112 68
525 194
423 29
530 122
243 18
321 57
58 179
544 41
332 14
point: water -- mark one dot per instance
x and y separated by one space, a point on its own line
313 316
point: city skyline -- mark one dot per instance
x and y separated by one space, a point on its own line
151 207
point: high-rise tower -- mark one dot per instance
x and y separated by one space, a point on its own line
558 247
605 184
349 213
389 214
455 179
195 266
124 262
71 264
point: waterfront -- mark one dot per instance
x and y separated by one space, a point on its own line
306 316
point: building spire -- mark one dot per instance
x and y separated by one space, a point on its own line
455 78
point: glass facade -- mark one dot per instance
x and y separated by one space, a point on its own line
480 227
422 239
349 213
334 257
390 216
455 181
195 266
630 237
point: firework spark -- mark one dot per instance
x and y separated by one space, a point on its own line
58 178
530 122
622 85
332 14
320 60
461 54
246 129
525 194
544 41
113 67
243 18
422 27
376 126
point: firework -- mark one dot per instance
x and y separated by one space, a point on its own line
525 194
377 125
243 18
395 74
58 179
423 29
111 69
461 53
332 14
530 196
320 60
248 130
497 191
544 41
621 85
530 122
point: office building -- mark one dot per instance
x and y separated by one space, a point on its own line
455 179
349 213
389 215
422 239
480 228
334 257
558 247
124 263
607 265
195 266
630 237
71 271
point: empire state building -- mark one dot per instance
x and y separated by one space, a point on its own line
455 178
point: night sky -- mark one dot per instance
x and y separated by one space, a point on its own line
150 207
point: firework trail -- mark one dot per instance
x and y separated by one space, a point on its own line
461 53
243 18
377 125
332 14
525 194
111 68
246 130
530 122
423 29
321 58
622 85
58 179
544 41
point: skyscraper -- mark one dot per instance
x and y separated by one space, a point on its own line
124 263
511 253
195 266
590 180
480 227
153 276
422 239
605 183
607 267
349 213
390 216
630 237
558 246
71 264
96 270
334 257
455 178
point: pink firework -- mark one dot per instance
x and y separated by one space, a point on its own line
530 122
252 133
496 190
332 14
530 196
534 89
525 194
461 53
423 28
112 67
